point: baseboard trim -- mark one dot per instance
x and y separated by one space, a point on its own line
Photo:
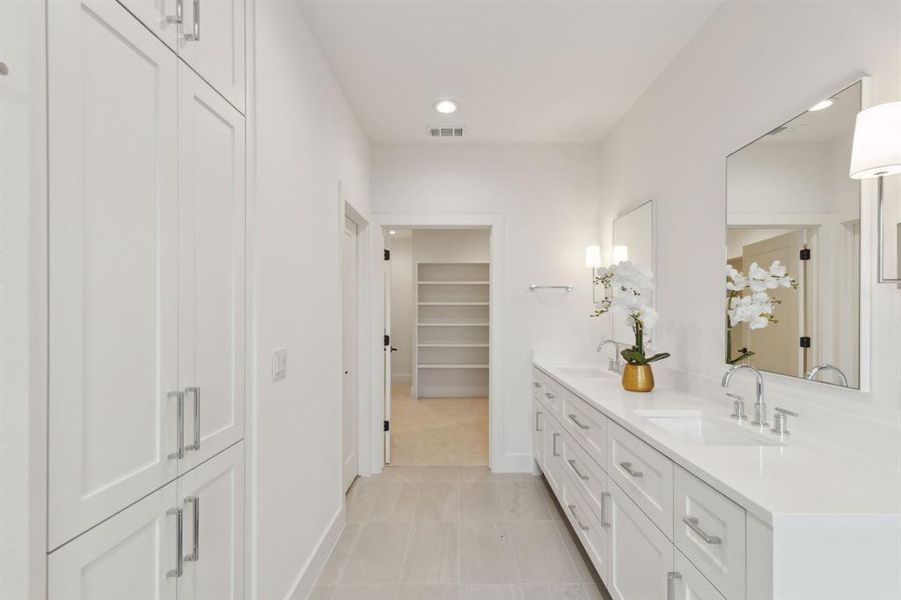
514 463
308 575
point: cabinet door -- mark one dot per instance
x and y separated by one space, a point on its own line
212 498
113 263
160 16
211 268
131 555
640 556
218 53
540 418
553 452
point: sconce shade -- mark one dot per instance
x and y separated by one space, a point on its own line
620 254
877 142
593 257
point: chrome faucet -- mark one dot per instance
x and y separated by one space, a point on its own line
827 367
613 364
760 405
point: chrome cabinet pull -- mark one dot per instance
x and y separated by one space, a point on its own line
194 501
195 36
549 395
537 425
180 425
576 420
4 70
695 526
572 464
572 509
179 521
554 449
604 522
627 467
179 13
671 578
536 384
195 392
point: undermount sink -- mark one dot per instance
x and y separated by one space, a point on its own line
696 428
584 371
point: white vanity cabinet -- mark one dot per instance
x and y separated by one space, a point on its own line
159 16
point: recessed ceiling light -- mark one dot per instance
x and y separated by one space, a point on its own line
822 105
392 232
446 107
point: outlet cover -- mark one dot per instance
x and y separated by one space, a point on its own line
279 364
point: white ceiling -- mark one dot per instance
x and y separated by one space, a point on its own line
532 71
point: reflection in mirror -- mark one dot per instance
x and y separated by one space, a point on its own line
793 247
633 240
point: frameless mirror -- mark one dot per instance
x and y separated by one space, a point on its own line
793 247
633 240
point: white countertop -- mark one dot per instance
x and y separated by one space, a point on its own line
801 477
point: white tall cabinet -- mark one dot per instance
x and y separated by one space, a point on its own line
146 310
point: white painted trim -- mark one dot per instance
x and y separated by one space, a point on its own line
309 573
498 460
405 379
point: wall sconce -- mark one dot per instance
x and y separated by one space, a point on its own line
876 153
593 262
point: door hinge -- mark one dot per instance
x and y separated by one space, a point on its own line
805 341
387 425
387 340
805 253
387 254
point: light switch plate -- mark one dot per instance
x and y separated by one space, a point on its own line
279 364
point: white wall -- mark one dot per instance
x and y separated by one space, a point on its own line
304 140
752 66
402 308
547 196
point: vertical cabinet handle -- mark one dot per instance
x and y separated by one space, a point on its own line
195 35
194 501
180 425
671 578
179 564
604 522
195 393
179 13
537 422
554 450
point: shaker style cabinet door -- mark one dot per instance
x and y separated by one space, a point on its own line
131 555
211 269
212 42
212 498
160 16
540 418
113 263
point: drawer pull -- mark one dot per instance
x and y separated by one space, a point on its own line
576 420
572 465
537 422
554 450
695 526
549 395
671 578
536 384
604 522
627 467
572 509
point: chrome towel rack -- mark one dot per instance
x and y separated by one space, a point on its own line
568 288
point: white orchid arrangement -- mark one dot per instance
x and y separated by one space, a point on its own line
749 302
631 285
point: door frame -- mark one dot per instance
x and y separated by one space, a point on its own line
364 323
498 459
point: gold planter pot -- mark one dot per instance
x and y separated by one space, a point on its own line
638 378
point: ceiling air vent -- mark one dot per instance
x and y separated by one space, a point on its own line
446 132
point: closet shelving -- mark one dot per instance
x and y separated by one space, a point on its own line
452 329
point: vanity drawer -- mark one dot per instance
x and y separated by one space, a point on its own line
538 380
585 474
551 396
588 526
587 426
710 531
644 474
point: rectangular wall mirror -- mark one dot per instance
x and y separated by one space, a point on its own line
633 240
793 237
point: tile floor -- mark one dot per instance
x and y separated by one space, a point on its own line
434 431
455 533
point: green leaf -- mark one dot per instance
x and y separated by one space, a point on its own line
659 356
634 356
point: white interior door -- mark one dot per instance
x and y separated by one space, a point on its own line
131 555
113 263
387 354
212 42
211 268
349 345
212 498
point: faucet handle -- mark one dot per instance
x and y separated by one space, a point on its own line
738 406
785 411
780 420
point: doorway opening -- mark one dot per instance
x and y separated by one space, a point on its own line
438 323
